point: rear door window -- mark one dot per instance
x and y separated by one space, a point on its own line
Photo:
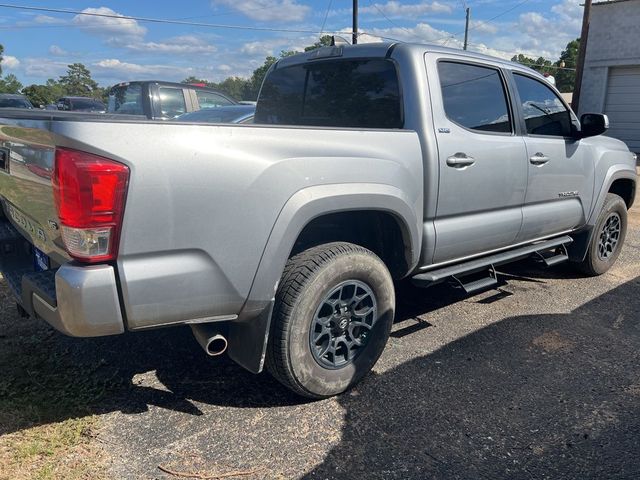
172 101
336 93
211 100
544 112
474 97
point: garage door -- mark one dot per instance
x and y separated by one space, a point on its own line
622 104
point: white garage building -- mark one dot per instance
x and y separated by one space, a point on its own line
611 79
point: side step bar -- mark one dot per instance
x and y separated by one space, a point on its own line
457 272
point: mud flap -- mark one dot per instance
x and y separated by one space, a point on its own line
578 248
248 340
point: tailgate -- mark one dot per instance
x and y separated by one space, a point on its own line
26 167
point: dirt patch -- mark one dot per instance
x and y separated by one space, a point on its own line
552 342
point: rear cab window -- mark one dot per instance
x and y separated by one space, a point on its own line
474 97
349 93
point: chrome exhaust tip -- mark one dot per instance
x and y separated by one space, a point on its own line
210 339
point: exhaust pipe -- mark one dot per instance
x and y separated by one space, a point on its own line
210 339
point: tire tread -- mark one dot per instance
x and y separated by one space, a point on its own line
298 271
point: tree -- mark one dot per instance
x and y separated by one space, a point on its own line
10 84
233 87
325 41
192 80
566 77
1 57
540 64
255 82
78 81
252 88
45 94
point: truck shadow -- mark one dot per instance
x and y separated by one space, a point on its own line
539 389
48 377
540 396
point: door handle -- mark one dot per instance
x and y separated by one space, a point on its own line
460 160
539 159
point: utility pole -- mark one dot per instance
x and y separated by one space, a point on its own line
354 38
466 28
586 16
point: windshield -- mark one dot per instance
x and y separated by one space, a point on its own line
126 99
15 103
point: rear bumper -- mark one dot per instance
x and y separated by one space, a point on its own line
77 300
86 301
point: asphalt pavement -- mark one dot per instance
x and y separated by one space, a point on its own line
537 379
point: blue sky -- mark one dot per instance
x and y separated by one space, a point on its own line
39 45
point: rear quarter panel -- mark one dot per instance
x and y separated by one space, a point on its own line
203 200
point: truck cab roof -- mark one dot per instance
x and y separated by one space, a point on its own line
385 49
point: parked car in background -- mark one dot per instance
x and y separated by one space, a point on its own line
11 100
163 100
80 104
229 114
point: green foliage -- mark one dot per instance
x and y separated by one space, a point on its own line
324 41
566 79
78 82
540 64
565 76
10 84
233 87
254 83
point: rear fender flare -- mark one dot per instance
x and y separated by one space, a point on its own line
249 334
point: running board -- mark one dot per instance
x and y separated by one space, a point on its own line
474 286
457 272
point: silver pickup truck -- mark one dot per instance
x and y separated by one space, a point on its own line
282 239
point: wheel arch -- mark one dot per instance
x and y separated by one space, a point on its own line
618 177
619 180
306 209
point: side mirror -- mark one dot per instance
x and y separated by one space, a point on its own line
592 124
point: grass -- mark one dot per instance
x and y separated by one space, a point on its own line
49 402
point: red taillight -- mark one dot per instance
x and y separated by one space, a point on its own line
89 192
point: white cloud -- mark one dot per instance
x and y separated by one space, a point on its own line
394 8
57 51
44 67
182 44
108 26
115 66
479 26
268 10
10 62
47 20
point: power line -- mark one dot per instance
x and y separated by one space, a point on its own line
157 20
484 22
326 15
374 5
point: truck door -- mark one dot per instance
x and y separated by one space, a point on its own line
561 170
482 161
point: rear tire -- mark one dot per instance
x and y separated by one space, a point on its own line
332 317
607 238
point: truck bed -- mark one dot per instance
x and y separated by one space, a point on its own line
202 199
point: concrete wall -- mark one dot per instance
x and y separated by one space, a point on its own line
614 40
